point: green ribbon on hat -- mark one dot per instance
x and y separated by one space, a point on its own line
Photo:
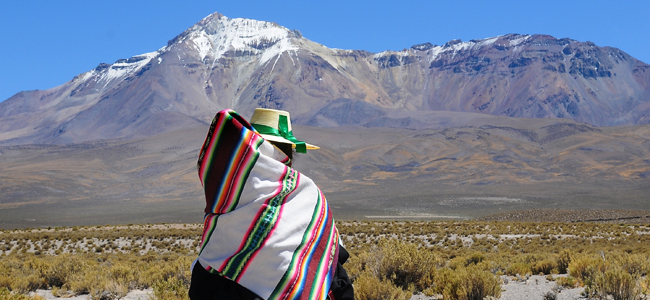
284 132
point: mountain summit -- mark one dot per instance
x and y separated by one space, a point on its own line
242 64
216 36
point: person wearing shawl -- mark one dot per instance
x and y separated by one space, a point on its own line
268 231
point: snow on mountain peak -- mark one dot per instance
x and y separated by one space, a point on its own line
455 46
518 39
104 74
216 34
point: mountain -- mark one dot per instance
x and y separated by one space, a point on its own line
457 131
242 64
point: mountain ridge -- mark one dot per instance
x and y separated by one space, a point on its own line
240 63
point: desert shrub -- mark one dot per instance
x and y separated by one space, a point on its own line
367 286
22 275
568 282
475 258
635 264
563 261
25 283
171 289
457 262
159 270
62 268
406 265
124 274
614 282
586 266
5 294
90 280
522 269
544 267
471 283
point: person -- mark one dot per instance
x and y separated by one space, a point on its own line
268 232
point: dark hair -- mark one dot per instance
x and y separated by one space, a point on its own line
286 148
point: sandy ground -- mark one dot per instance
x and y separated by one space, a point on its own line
533 288
132 295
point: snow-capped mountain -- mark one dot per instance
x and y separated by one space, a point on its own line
242 64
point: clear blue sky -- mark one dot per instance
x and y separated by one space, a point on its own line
46 43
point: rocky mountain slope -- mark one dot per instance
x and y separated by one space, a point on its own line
242 64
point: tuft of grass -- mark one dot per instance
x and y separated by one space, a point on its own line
522 269
563 260
405 265
586 266
544 267
400 256
471 283
171 289
615 282
567 282
367 286
5 294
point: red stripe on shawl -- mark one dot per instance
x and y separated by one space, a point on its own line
226 158
321 250
251 227
208 226
220 165
275 225
244 155
217 163
317 249
290 291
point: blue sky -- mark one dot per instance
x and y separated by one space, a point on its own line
46 43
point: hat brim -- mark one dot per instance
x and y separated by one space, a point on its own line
280 139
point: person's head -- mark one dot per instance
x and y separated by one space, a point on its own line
275 127
287 149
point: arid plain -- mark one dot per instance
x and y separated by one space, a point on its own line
460 166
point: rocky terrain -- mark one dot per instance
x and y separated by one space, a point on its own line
566 215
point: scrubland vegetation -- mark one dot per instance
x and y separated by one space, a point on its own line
390 260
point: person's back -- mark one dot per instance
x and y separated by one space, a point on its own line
268 231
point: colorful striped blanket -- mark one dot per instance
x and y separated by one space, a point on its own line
267 226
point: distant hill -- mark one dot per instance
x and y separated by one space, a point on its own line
242 64
470 165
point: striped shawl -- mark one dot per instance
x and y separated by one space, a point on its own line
267 226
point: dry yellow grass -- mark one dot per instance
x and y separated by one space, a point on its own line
454 260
